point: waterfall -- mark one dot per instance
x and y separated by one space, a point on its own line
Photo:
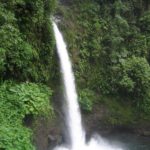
73 112
73 115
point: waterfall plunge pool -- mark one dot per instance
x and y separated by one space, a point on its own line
129 141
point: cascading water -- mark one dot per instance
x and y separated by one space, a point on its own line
73 113
73 116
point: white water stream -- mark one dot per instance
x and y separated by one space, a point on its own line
73 117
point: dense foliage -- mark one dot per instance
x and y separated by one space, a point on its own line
86 99
109 41
110 46
27 41
18 101
26 63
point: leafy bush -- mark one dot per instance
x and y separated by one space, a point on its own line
119 113
144 105
26 98
86 99
26 40
132 80
2 60
18 53
144 22
6 16
15 138
135 76
17 101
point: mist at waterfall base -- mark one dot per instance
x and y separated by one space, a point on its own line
73 116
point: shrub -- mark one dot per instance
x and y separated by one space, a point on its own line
135 76
15 138
86 99
144 22
26 40
17 101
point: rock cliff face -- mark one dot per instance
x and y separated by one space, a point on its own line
47 134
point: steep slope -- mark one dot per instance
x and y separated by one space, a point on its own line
26 68
109 44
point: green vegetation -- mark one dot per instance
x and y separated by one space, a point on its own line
26 63
86 99
27 41
18 101
109 42
118 114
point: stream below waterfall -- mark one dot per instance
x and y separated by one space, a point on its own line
129 141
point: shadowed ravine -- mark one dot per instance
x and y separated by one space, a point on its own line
73 116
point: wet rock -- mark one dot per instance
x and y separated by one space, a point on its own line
54 140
